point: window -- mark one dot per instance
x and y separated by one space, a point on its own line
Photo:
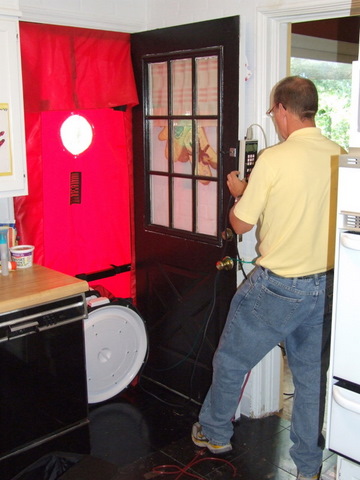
328 64
333 82
182 131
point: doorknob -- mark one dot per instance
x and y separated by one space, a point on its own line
226 263
227 234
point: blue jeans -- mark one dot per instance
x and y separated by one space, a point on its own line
266 310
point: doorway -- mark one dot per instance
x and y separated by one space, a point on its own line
273 53
323 51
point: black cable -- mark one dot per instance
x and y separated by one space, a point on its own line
204 330
241 263
211 311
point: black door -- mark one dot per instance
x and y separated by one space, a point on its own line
185 139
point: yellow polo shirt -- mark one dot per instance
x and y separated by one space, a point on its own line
292 194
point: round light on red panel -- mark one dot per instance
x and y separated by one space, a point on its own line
76 134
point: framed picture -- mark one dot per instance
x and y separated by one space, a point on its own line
5 147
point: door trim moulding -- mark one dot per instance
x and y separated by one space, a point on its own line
273 44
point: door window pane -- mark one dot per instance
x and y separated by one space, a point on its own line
181 86
158 145
206 148
158 88
182 204
182 153
207 85
206 211
159 200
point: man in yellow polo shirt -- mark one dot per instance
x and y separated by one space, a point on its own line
291 195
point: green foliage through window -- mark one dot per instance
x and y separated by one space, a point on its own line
333 81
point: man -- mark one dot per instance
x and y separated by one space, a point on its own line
291 193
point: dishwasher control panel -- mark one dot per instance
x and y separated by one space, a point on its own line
41 317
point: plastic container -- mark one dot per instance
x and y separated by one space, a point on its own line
11 266
22 255
4 251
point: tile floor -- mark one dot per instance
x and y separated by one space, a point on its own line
144 433
143 437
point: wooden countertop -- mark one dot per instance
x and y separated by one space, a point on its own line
25 287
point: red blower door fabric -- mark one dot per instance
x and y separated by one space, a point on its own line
67 68
66 71
95 233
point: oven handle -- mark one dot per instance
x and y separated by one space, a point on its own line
20 330
344 402
350 240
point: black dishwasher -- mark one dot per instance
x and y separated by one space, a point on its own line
43 389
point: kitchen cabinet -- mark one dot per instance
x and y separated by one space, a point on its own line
13 175
26 287
43 395
347 470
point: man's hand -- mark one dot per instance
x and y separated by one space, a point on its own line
236 186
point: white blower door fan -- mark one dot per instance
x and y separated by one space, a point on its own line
115 347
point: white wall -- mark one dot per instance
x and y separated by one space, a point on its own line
117 15
263 38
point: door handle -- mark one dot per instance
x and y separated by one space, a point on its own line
226 263
22 329
350 240
343 401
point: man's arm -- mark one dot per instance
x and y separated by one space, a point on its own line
238 225
237 188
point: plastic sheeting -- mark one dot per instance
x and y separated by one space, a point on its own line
50 467
70 70
67 68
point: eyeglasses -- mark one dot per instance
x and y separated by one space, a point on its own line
270 112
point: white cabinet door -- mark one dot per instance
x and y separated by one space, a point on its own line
347 326
13 177
344 422
347 470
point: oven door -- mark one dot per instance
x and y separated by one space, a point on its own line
43 380
347 325
344 424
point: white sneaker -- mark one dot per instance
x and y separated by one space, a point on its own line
302 477
201 441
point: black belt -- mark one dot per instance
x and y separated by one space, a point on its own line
321 274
